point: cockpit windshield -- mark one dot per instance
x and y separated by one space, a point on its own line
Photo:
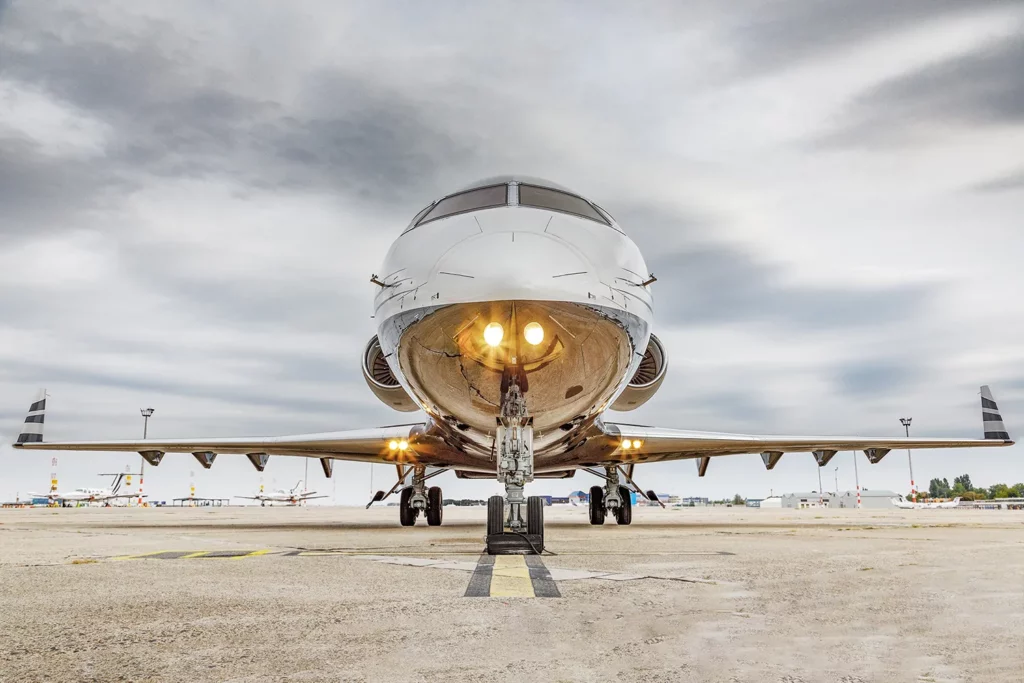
555 200
493 194
482 198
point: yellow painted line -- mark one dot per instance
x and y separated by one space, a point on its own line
191 555
510 578
254 553
121 558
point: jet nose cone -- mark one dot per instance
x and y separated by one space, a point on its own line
518 265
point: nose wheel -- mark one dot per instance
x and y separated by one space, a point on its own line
504 539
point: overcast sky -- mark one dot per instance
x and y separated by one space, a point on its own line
193 196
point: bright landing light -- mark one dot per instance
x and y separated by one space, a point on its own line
627 444
493 334
534 333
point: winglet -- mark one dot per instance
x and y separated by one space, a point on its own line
32 430
991 419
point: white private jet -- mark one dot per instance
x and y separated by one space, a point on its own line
84 495
905 504
90 495
515 313
292 497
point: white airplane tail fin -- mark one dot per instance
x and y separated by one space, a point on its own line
32 430
991 417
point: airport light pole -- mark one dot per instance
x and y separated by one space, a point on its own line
821 496
856 476
146 414
836 474
905 421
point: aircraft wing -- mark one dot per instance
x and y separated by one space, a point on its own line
381 444
656 444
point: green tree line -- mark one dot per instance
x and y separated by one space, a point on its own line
962 487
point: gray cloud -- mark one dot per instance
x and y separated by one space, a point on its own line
788 33
703 282
1006 183
979 88
356 403
38 191
873 377
347 133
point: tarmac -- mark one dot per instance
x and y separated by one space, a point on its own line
346 594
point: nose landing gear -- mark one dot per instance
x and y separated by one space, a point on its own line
515 523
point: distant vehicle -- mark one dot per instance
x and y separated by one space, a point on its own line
905 504
292 497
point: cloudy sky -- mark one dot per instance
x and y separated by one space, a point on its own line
193 196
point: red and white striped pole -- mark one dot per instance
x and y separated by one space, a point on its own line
53 480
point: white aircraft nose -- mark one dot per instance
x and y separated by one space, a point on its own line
517 265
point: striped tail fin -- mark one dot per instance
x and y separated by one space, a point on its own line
32 430
991 418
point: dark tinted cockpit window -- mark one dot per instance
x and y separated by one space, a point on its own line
417 217
544 198
482 198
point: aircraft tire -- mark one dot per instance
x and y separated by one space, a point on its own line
596 505
495 515
406 512
435 506
535 516
624 514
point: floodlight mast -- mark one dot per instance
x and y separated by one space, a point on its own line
146 414
905 421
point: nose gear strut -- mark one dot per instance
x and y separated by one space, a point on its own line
522 517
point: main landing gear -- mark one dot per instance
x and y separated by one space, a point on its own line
515 523
415 498
418 498
614 497
600 505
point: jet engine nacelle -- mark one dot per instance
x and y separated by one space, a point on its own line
382 381
648 377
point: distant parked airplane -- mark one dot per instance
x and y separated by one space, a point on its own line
905 504
293 497
85 495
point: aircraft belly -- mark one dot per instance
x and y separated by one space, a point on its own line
573 373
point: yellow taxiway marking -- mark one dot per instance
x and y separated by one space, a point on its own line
138 556
192 555
199 553
510 578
